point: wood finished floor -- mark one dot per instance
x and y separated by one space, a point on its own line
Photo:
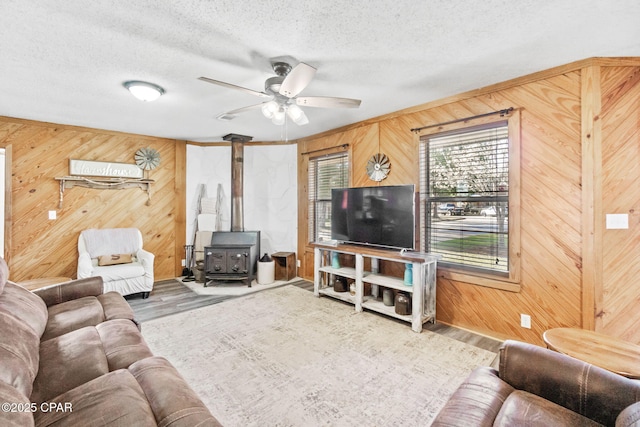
171 296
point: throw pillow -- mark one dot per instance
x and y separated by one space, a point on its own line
114 259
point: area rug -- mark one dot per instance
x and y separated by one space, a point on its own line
287 358
234 288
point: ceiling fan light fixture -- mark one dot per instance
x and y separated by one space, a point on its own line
296 114
144 91
269 109
278 117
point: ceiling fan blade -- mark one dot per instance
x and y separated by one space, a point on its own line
230 115
327 102
229 85
297 79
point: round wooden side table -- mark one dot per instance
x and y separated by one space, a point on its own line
602 350
42 282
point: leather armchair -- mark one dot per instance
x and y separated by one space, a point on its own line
537 386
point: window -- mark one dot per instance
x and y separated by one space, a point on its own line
325 173
465 209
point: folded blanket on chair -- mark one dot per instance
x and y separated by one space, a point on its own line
109 241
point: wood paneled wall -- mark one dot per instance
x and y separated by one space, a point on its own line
40 152
618 297
580 144
577 164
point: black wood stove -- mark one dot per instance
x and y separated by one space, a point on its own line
232 256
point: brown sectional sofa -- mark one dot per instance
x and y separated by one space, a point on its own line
535 386
73 356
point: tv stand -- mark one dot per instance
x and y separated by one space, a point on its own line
423 290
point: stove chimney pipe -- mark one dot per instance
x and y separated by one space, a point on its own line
237 179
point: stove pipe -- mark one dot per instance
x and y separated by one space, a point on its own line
237 179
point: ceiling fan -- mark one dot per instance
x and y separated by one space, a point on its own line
283 90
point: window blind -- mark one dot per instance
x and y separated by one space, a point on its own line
325 173
465 207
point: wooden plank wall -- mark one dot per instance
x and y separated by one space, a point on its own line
552 195
41 247
619 299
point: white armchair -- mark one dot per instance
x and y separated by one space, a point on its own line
117 256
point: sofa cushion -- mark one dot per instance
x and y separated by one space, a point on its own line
79 356
25 306
68 361
18 353
522 408
173 402
477 401
87 311
122 343
71 315
111 273
73 289
115 307
14 415
112 399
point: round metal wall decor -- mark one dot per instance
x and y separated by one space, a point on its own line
378 167
147 158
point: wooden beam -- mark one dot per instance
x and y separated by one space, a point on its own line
592 217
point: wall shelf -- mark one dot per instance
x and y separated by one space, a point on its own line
103 184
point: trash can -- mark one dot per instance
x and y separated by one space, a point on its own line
266 270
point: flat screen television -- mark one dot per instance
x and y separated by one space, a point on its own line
379 216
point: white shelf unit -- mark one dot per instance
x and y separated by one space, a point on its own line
422 290
347 272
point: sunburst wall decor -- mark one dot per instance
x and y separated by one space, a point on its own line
378 167
147 158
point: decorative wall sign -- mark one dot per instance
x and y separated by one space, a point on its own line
106 169
108 175
378 167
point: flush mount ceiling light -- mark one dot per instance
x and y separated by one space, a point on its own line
144 91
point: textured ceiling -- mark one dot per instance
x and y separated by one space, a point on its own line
65 61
